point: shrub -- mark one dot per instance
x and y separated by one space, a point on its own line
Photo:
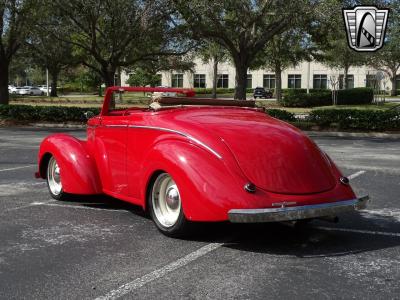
356 119
209 91
321 97
44 113
307 100
281 115
355 96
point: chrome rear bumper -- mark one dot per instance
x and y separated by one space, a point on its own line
296 212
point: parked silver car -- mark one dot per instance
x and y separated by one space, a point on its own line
30 90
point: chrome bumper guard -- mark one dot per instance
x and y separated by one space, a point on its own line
293 213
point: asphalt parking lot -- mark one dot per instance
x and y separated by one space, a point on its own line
97 247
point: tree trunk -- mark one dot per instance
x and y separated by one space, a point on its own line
4 96
108 73
241 80
54 79
345 77
278 82
215 78
393 92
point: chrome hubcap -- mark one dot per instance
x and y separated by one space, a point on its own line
53 177
166 200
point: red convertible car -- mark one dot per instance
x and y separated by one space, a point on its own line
186 159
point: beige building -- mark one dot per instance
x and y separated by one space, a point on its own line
305 75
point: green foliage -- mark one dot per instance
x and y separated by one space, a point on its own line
57 114
141 77
306 100
281 114
300 98
208 91
243 28
355 96
356 119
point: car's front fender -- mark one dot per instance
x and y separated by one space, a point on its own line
78 169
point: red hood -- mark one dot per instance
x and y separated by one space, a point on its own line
272 154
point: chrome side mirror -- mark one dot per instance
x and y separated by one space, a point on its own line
89 115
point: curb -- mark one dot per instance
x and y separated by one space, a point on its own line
381 135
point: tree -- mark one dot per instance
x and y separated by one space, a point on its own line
243 28
49 54
108 34
283 51
16 18
213 52
142 77
331 39
388 58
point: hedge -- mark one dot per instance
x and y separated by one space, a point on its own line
299 98
208 91
356 119
44 113
328 118
281 115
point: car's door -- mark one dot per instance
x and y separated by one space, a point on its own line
110 141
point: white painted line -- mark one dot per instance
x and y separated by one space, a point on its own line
17 168
80 207
141 281
359 231
29 205
359 173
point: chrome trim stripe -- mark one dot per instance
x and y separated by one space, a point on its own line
115 126
296 212
196 141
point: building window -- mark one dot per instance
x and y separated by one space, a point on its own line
223 81
294 81
177 80
269 81
249 83
370 81
320 81
350 82
199 81
397 82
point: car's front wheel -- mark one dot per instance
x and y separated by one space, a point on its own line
54 180
165 206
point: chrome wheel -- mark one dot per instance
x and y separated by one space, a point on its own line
54 178
166 201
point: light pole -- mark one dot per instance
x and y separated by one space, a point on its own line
47 81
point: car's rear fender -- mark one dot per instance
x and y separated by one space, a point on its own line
78 169
207 186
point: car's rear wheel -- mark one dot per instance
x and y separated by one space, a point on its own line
165 206
54 180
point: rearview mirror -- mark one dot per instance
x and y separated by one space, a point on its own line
89 115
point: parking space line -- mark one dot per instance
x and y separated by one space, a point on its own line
359 173
17 168
141 281
394 234
29 205
80 207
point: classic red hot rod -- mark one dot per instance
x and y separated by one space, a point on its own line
186 159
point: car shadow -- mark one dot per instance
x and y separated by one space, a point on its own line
315 239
